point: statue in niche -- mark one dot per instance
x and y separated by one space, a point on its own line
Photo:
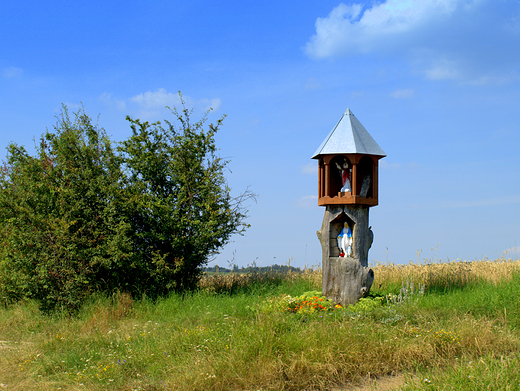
345 241
345 171
365 186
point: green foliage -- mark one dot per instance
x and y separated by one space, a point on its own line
366 304
59 230
177 202
81 217
307 303
313 302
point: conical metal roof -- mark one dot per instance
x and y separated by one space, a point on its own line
349 136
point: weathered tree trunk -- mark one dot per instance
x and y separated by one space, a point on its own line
346 279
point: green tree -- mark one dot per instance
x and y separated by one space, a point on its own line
80 217
177 201
61 235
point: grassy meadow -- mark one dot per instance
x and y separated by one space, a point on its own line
438 326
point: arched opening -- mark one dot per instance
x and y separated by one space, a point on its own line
341 175
365 177
336 226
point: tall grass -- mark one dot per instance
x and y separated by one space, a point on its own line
444 276
255 281
460 334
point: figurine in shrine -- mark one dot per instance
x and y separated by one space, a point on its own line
345 176
365 186
345 241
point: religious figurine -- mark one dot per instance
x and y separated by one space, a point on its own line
345 241
345 176
365 186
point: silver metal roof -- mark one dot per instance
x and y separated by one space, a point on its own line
349 136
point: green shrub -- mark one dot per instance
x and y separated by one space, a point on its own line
60 232
177 202
81 217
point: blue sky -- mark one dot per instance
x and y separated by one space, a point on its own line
435 82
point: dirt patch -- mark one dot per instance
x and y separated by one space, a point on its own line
372 383
13 345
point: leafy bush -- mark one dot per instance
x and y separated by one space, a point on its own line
59 228
177 202
82 217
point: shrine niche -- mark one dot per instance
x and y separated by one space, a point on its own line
347 186
348 179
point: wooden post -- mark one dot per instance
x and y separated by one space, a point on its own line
346 279
321 180
354 181
327 179
375 185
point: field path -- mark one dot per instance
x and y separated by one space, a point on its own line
383 383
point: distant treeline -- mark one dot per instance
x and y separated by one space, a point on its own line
252 269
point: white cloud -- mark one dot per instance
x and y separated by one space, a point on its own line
207 104
309 169
11 72
307 202
389 166
402 94
72 107
159 99
350 29
443 39
152 104
108 100
440 72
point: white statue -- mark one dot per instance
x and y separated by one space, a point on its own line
345 176
345 241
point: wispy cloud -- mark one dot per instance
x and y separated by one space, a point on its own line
309 169
11 72
152 100
151 104
108 100
307 202
402 94
441 69
465 40
72 106
389 166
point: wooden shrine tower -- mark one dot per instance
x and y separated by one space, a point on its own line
347 186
